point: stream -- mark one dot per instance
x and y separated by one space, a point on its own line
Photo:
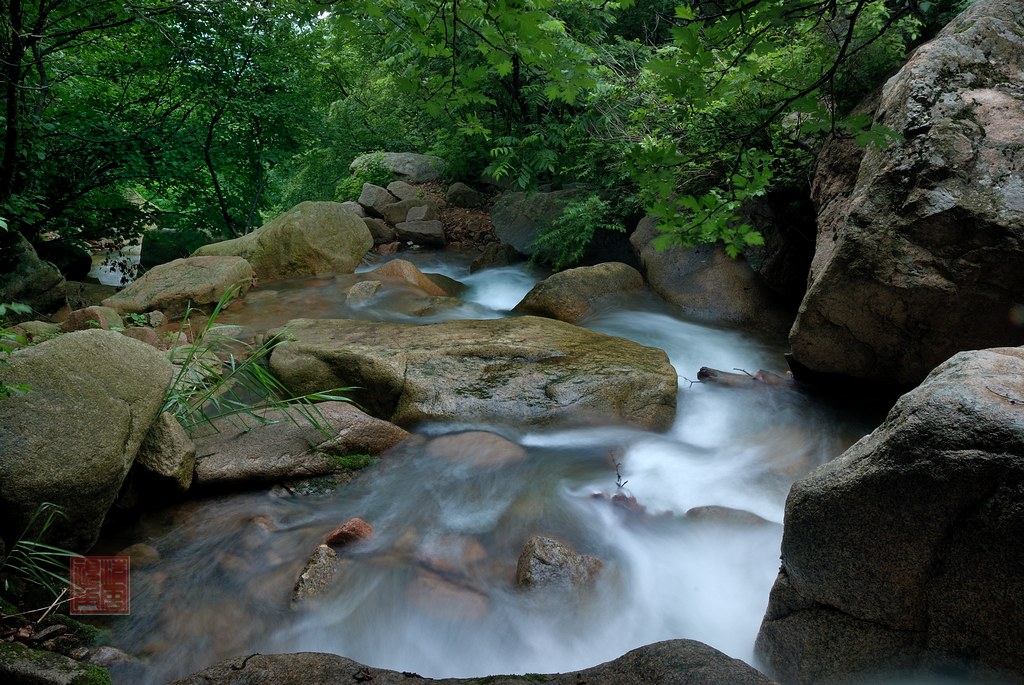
432 592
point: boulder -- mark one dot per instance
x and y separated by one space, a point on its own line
529 369
71 257
422 232
72 437
495 255
374 199
568 295
167 454
906 550
707 284
380 231
311 238
673 662
547 564
427 212
360 294
926 255
105 318
247 452
354 206
461 195
26 278
518 218
398 212
406 166
403 191
21 665
199 282
404 271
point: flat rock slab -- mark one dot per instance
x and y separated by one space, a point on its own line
526 370
673 662
247 452
198 282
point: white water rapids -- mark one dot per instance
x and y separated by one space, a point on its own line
228 563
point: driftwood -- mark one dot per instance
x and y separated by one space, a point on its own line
744 379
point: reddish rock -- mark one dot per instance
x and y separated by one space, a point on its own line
350 532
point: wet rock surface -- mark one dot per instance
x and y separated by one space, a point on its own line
528 369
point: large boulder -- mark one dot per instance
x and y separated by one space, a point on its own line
673 662
568 295
72 437
927 255
26 278
246 452
197 282
406 166
906 551
524 370
707 284
518 218
311 238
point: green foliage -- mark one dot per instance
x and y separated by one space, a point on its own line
220 376
34 563
563 243
371 170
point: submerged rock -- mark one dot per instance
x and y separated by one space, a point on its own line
348 533
673 662
547 564
321 570
906 551
526 370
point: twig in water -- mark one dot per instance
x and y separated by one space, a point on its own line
618 476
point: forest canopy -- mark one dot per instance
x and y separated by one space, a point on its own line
208 116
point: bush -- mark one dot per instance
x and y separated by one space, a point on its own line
372 171
563 243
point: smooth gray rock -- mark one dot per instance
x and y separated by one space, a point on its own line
906 550
568 295
72 437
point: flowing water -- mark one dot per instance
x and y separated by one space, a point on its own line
433 591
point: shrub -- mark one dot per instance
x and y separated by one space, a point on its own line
563 243
372 171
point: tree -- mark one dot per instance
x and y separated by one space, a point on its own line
119 114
